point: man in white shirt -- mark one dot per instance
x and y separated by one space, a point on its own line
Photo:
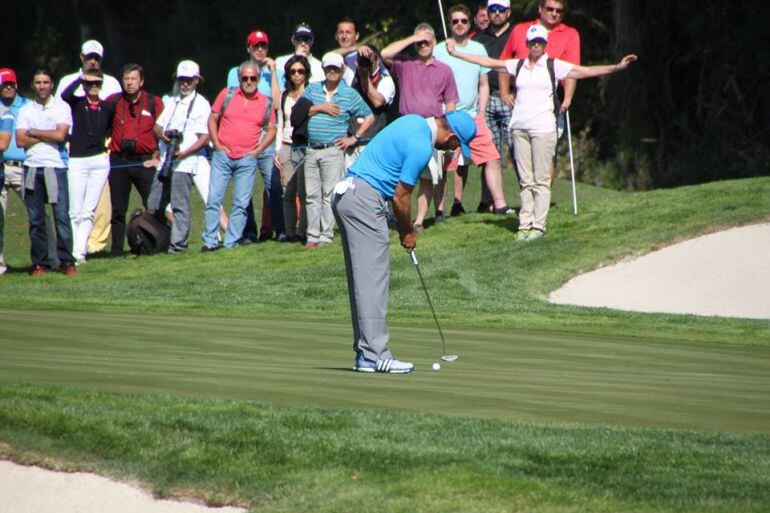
91 57
183 127
303 42
42 129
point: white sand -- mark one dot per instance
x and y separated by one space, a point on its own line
36 490
725 274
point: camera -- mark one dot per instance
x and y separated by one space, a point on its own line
128 147
364 63
172 147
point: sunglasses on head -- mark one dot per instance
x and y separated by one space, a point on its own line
496 9
555 10
249 78
297 71
464 21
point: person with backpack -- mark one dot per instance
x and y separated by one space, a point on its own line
133 149
533 122
236 125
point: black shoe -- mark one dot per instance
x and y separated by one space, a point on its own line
483 207
265 236
207 249
281 237
505 211
439 217
457 209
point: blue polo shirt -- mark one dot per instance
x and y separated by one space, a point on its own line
14 152
324 128
265 78
399 153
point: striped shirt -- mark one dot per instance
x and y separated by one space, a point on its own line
324 128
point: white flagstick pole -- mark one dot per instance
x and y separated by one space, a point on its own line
443 20
571 165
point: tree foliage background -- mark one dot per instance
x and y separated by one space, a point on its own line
694 108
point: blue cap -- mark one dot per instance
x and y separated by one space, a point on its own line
464 128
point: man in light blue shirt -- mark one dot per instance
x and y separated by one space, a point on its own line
473 86
388 168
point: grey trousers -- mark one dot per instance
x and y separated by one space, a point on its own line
323 169
361 215
178 194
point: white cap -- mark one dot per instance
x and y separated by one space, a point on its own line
502 3
188 69
537 32
92 46
333 59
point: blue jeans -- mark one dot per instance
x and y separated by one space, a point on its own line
242 172
35 201
271 177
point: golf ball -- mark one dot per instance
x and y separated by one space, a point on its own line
436 366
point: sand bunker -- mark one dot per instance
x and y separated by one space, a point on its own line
725 274
36 490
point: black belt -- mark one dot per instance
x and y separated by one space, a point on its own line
134 158
321 146
16 163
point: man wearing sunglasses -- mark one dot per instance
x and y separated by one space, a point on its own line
302 39
473 86
257 47
498 113
91 58
236 130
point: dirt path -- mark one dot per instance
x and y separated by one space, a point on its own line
725 274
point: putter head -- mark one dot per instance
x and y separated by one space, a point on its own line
449 357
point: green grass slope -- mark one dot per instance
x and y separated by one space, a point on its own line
477 274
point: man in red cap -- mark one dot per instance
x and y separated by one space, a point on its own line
257 47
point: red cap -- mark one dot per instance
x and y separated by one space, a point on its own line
257 37
7 75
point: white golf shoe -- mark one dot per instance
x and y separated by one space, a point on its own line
387 366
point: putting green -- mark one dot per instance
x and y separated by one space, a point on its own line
510 375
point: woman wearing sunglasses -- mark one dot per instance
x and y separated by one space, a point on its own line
89 164
289 159
533 121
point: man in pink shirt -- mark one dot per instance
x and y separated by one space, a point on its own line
235 127
427 88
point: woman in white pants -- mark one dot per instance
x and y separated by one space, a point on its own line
533 121
89 165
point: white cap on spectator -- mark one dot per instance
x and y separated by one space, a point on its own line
537 32
92 46
506 4
188 69
333 59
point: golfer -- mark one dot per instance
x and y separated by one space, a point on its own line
533 122
388 168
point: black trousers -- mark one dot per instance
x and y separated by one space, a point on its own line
123 173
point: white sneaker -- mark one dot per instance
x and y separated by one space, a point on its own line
387 366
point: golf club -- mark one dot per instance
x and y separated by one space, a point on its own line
444 356
571 164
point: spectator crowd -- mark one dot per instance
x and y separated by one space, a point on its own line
297 121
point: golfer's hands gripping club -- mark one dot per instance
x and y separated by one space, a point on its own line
409 241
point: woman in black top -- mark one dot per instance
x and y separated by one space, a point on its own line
89 165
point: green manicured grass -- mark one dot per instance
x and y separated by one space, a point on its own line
504 374
477 274
277 459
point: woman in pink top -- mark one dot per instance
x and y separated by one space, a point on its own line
533 122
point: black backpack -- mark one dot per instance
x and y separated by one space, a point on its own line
147 234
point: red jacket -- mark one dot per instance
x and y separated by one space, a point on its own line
135 121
